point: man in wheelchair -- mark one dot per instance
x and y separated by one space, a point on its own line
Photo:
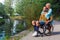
45 18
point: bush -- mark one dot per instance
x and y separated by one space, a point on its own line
2 21
20 27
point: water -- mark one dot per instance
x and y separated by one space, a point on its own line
24 24
7 21
14 26
2 35
15 23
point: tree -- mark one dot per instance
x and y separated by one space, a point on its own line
56 8
2 11
8 10
8 7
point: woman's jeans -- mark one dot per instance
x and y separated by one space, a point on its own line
36 28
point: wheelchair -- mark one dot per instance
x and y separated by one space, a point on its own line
47 27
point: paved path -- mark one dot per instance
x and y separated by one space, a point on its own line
55 36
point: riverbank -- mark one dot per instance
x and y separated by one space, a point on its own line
19 35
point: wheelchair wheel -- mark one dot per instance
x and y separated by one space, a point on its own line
52 28
50 32
44 30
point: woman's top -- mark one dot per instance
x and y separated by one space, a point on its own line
48 14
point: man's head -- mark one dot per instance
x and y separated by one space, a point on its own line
48 5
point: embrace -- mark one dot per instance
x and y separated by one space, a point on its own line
45 19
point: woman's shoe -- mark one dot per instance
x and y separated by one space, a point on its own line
34 34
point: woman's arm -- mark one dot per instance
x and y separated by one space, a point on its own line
51 18
48 14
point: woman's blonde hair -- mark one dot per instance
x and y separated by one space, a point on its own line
48 4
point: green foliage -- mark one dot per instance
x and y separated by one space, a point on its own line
8 27
8 8
2 21
20 27
56 8
31 9
2 11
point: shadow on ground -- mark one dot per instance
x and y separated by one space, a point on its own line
56 33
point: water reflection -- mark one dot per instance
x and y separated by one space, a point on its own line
15 23
7 21
2 35
24 24
14 26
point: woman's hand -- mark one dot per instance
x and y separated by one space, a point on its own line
47 22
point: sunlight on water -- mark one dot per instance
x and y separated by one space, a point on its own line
14 26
